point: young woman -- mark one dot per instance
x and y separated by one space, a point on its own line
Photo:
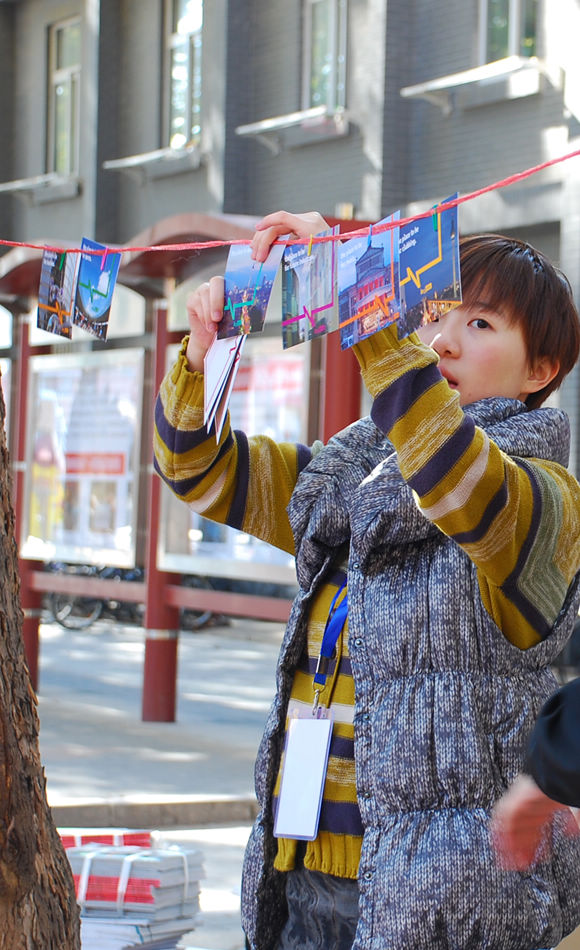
449 523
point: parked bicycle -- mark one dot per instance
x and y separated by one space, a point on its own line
77 612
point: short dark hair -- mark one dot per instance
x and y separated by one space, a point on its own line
536 295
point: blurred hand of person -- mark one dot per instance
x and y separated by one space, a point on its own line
205 307
281 223
520 822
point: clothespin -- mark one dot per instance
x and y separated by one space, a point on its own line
434 219
370 237
61 262
104 258
310 246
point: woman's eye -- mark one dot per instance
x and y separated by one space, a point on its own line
480 323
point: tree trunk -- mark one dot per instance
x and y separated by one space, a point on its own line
38 909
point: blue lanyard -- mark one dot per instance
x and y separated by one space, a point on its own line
334 625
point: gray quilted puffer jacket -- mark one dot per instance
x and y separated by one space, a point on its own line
444 706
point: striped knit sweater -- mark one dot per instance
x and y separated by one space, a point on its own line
508 514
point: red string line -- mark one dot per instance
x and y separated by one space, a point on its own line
320 239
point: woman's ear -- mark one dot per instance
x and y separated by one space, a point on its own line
542 373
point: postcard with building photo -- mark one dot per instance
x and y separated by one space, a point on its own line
368 282
430 279
248 286
95 285
309 290
56 292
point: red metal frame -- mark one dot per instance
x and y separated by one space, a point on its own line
341 391
161 618
134 592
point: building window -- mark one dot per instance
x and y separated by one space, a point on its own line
184 68
324 45
64 99
508 28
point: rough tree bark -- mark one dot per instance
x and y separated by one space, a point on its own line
38 910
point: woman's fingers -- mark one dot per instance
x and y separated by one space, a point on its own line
282 223
205 307
216 299
262 241
301 225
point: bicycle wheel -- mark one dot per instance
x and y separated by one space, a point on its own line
191 619
75 613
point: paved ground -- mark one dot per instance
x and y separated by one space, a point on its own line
194 777
95 746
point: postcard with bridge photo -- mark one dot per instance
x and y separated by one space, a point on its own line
248 286
95 285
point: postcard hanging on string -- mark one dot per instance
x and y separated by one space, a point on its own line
248 286
95 284
368 282
56 292
430 279
309 290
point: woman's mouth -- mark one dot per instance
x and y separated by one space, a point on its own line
450 380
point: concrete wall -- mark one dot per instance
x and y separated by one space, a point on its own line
140 31
63 219
7 108
319 174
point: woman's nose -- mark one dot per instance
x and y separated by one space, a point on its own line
446 339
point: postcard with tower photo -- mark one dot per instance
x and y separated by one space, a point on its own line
309 290
430 279
56 292
95 285
368 282
248 286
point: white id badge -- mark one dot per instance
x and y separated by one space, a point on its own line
303 775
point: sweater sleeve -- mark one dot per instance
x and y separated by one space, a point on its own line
553 757
245 482
516 519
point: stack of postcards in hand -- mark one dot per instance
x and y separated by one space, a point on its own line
135 897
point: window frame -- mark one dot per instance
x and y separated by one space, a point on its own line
194 76
69 76
338 51
515 27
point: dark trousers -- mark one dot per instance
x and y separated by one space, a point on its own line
323 911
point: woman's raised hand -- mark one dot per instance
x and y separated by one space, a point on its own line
275 225
205 307
205 304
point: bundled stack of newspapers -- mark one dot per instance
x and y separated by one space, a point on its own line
74 837
132 896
